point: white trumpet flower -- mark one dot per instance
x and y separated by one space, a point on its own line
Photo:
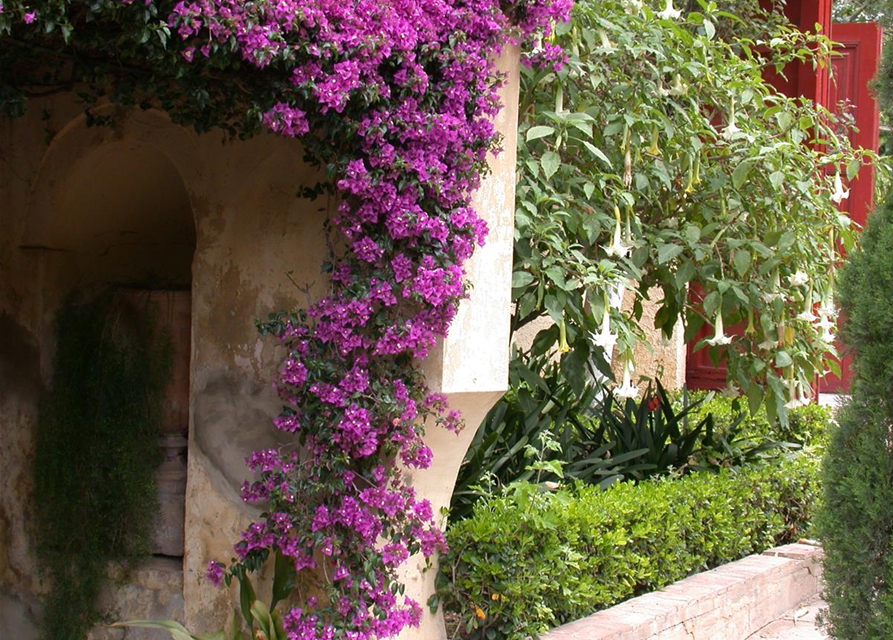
618 248
839 194
827 325
605 339
798 279
801 396
627 389
719 337
731 129
670 12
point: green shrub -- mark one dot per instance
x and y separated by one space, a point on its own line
856 524
531 559
807 426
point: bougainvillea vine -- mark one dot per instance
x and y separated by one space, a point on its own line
351 390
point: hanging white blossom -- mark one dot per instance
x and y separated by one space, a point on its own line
627 389
719 337
839 194
670 12
605 339
617 248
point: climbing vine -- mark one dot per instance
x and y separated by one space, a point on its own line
395 100
96 449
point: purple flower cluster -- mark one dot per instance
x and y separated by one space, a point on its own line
398 97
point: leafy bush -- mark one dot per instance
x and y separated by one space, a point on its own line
807 425
856 524
531 559
660 155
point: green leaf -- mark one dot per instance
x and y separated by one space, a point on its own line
786 241
667 252
742 260
177 630
521 279
588 190
754 397
246 598
550 162
711 303
784 119
783 359
555 305
540 131
776 178
741 173
283 578
598 153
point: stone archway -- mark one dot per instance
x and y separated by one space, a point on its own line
122 218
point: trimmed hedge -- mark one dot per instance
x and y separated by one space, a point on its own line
532 559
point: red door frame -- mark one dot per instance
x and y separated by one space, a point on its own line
864 40
860 45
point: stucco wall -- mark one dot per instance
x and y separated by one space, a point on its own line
98 205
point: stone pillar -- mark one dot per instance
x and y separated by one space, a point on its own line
471 364
173 315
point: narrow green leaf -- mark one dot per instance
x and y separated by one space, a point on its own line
283 578
246 598
541 131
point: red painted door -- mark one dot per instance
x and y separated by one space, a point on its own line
859 49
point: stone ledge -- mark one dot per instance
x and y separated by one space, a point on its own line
731 601
152 591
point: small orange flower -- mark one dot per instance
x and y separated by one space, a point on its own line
480 613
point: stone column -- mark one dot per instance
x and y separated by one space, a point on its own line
471 365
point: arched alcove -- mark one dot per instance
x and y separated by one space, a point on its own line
120 216
123 216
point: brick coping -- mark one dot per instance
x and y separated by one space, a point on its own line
730 602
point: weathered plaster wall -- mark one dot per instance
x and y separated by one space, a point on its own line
99 205
657 357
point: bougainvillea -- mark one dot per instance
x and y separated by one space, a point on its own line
396 101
